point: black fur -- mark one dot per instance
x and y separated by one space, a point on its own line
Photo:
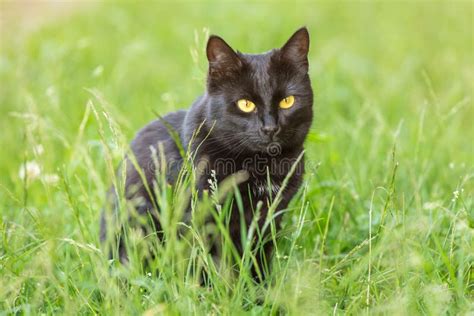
269 140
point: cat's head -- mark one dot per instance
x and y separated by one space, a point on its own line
258 100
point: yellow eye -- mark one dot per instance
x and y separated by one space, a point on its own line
246 105
287 102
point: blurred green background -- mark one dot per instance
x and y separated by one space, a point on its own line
393 85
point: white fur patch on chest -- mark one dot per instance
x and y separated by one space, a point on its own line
260 188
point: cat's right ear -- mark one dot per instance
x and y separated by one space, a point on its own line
222 58
296 48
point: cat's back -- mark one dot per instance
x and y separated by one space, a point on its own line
157 132
152 141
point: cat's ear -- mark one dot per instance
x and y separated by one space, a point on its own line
222 58
296 48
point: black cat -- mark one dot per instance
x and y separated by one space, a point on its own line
254 117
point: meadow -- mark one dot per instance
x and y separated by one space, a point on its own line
384 223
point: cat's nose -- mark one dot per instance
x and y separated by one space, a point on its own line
270 130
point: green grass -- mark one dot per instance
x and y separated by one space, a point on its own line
384 225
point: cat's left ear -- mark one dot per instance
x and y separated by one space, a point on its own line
296 48
222 58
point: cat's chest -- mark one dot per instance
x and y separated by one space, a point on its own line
264 175
264 187
264 180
